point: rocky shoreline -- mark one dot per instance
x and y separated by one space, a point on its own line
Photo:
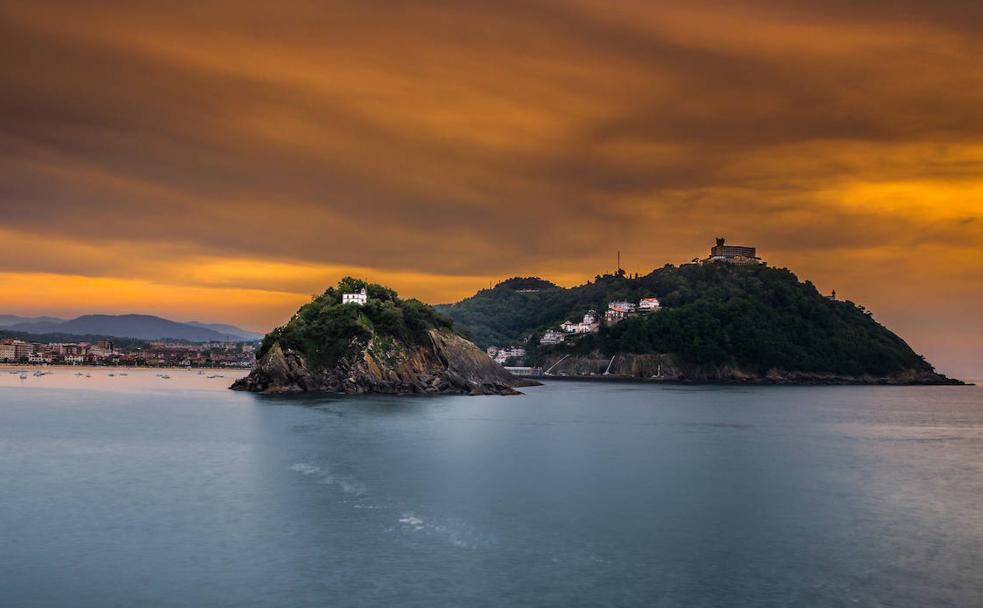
820 381
448 365
662 368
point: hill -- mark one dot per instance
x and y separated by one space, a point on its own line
229 330
384 345
718 322
143 327
526 284
10 320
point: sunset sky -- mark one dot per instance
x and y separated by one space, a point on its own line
222 161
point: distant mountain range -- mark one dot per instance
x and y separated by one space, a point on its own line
142 327
9 320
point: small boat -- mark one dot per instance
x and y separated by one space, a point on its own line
112 375
165 377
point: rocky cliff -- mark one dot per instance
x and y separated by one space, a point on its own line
666 368
448 364
380 343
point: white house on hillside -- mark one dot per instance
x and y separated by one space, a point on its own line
508 352
649 304
551 336
358 298
623 306
587 326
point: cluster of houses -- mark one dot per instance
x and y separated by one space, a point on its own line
617 311
503 354
587 326
105 352
20 351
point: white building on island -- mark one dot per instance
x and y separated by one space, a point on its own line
359 298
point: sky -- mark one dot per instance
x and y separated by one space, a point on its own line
224 161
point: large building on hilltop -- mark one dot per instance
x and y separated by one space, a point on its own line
733 254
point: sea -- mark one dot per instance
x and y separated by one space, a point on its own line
126 488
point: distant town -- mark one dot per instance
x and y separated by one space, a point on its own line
108 353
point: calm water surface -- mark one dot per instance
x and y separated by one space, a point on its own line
140 491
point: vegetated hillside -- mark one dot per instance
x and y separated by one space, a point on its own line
527 284
504 315
324 329
754 318
386 345
507 313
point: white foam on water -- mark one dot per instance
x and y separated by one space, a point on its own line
412 521
457 534
347 485
304 468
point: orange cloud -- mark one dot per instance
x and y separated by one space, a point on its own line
229 162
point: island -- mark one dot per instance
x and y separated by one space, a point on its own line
729 318
361 337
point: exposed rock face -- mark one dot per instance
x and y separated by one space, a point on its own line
663 367
449 364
